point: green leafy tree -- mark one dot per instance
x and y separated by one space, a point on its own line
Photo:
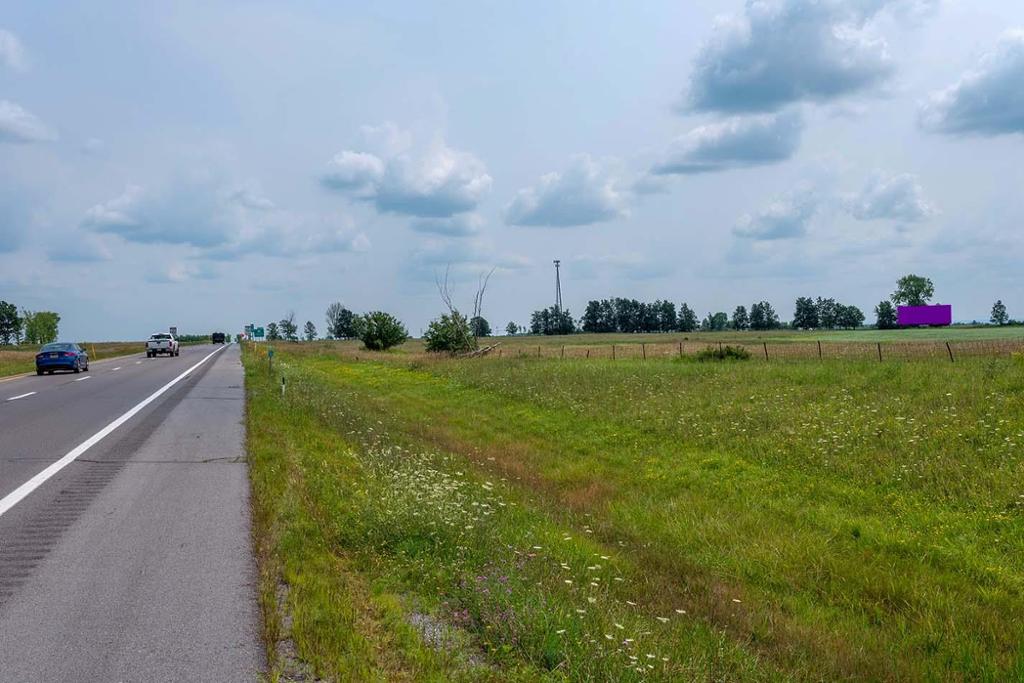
885 316
10 323
451 333
511 329
828 313
41 327
309 331
480 327
687 319
740 319
849 317
999 315
913 290
715 322
341 322
288 329
379 331
806 315
763 317
552 321
273 334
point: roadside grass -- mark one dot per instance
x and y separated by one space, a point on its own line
809 521
19 360
403 564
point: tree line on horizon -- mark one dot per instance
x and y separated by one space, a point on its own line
454 332
810 313
27 327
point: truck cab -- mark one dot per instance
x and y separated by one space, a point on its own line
162 343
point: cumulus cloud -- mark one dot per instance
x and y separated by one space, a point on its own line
189 213
739 142
435 181
350 170
784 218
225 222
20 126
784 51
12 54
583 194
890 196
988 99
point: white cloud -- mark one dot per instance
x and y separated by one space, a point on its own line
20 126
224 222
987 100
738 142
350 170
784 51
12 54
583 194
784 218
433 182
890 196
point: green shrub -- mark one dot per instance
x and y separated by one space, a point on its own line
449 334
723 353
380 331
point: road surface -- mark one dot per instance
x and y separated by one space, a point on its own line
127 557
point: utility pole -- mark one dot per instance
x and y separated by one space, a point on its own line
558 288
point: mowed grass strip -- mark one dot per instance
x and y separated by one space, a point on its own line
837 520
405 563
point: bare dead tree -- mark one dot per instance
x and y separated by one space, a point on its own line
481 287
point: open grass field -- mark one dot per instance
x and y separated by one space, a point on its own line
16 361
566 520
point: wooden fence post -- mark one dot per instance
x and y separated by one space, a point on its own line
720 348
680 349
538 350
613 351
819 349
588 353
766 350
879 352
643 350
950 349
563 350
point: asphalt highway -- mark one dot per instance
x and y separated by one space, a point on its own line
124 523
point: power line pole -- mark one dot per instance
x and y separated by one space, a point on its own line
558 288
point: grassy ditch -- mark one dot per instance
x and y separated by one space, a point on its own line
562 520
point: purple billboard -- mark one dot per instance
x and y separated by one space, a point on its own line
913 316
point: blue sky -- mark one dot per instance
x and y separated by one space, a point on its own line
208 164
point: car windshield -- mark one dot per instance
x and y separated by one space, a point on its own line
161 336
59 346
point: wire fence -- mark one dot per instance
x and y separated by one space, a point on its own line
949 351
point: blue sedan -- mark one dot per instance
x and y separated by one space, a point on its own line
61 356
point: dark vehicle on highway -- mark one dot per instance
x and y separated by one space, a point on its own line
217 337
61 356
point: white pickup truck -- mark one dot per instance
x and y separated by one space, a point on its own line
161 343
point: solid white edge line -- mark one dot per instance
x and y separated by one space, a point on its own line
15 398
19 494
